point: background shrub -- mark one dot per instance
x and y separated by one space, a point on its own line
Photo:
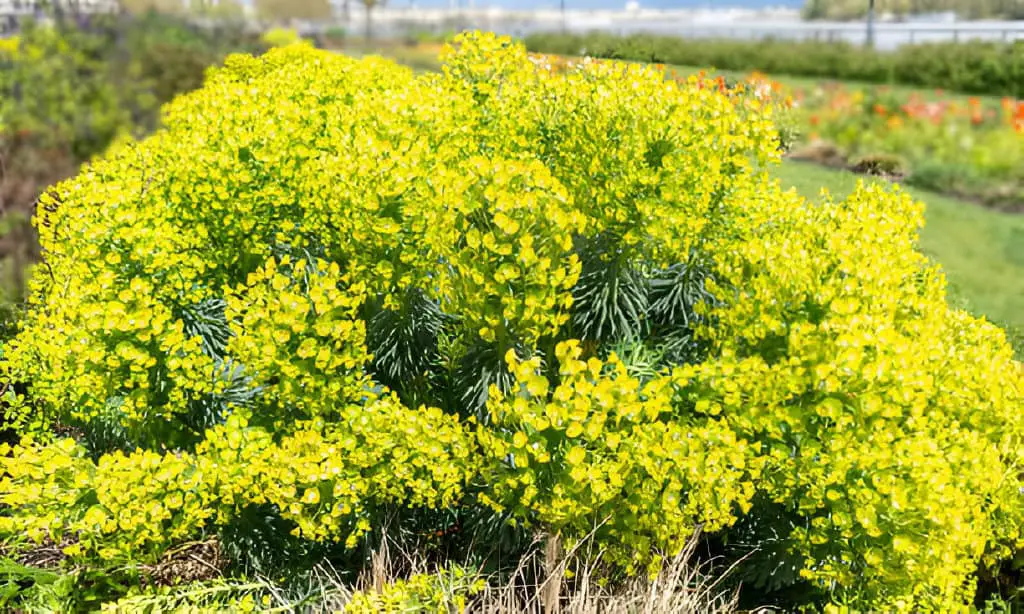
995 69
70 89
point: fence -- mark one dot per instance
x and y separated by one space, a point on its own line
748 25
394 21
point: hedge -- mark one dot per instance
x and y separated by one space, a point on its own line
995 69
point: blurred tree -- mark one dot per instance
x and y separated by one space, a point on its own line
212 8
857 9
217 8
162 6
283 10
369 5
815 9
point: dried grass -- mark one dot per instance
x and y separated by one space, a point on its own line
683 586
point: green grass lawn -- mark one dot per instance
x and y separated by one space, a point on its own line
981 250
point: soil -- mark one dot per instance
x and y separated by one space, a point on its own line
192 562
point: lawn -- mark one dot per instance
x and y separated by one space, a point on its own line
981 250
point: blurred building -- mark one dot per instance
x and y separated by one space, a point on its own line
17 8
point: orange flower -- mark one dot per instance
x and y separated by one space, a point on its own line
880 110
894 122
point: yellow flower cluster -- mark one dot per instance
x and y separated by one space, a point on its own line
889 422
296 324
600 455
9 46
280 37
323 478
298 188
443 592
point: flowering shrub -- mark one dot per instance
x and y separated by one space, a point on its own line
565 296
598 446
853 400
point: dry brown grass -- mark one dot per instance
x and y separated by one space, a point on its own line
683 586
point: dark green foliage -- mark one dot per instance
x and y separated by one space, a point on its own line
106 432
480 367
610 299
765 567
211 409
206 321
642 361
258 542
646 313
674 296
995 69
404 345
58 590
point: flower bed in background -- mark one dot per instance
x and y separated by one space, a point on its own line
970 147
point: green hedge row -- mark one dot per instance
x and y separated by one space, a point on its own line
971 67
